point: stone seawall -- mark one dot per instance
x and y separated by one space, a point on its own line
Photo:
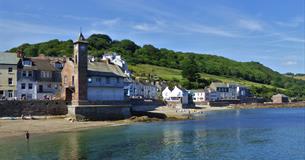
268 105
99 112
34 108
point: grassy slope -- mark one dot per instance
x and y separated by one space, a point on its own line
170 74
299 77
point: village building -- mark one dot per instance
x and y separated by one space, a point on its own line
38 79
117 60
138 90
227 91
8 75
176 95
84 80
280 98
200 95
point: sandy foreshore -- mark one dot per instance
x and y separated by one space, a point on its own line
11 128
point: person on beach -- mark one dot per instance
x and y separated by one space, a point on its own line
27 135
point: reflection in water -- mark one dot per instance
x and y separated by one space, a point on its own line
70 147
244 134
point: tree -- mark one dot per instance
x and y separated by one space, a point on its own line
190 69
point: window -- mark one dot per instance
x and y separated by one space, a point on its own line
22 85
30 73
10 81
40 89
10 69
98 79
107 80
65 79
42 74
1 92
10 93
29 96
30 86
117 80
49 74
27 63
58 65
23 73
45 74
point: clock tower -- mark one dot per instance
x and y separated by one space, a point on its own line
80 57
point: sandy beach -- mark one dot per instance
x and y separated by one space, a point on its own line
11 128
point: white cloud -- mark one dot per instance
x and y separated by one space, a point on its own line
290 63
157 26
251 25
111 22
18 26
294 22
143 27
210 30
294 39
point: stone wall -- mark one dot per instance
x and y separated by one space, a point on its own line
99 112
34 108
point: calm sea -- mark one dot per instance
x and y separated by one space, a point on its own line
260 134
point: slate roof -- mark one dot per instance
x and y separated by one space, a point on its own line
279 95
8 58
42 64
104 69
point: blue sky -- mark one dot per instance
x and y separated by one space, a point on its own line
268 31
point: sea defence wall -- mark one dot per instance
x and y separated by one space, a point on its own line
33 107
113 110
269 105
99 112
148 105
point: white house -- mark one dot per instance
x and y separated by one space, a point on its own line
166 93
117 60
200 95
227 91
37 79
140 90
176 95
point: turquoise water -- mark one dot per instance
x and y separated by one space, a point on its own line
261 134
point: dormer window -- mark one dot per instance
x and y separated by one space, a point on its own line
27 63
58 65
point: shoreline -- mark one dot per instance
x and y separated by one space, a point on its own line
59 124
17 128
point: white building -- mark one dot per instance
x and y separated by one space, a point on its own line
200 95
227 91
105 82
37 79
176 95
117 60
140 90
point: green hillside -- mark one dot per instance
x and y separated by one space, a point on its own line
211 67
146 71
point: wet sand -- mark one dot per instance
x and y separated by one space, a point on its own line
9 128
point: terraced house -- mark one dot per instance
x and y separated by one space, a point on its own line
8 75
38 78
